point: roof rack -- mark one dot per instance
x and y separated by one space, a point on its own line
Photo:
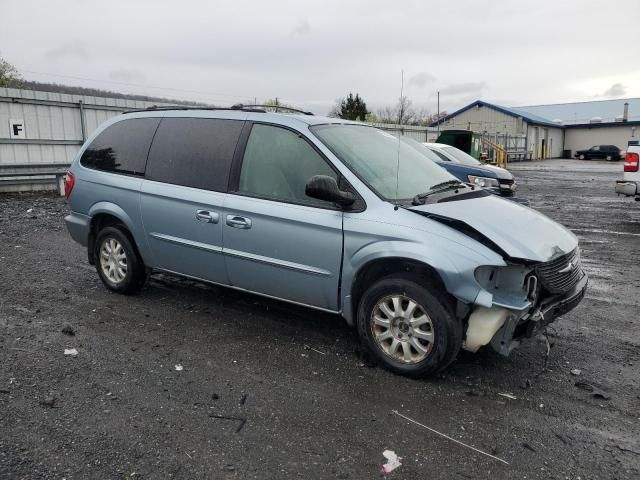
236 107
240 106
153 108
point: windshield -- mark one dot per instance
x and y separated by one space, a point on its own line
460 156
373 155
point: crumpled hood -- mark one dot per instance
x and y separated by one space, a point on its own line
519 231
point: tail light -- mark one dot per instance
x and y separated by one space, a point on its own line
631 162
69 182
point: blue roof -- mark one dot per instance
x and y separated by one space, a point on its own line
513 112
582 112
576 113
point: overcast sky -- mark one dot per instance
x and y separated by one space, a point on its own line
311 53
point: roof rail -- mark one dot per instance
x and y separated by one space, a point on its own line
240 106
153 108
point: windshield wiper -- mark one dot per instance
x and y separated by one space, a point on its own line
437 188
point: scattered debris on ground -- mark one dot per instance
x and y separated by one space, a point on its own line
393 461
68 330
450 438
595 391
48 401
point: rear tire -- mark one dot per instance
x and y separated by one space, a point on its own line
408 327
609 158
117 261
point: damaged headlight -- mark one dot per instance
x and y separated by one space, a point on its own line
512 286
483 181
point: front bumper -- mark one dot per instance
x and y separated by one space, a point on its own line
555 307
630 189
78 226
549 310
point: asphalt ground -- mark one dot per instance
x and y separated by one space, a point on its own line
269 390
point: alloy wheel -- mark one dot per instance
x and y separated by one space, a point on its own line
402 329
113 260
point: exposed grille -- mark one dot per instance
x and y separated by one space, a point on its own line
561 274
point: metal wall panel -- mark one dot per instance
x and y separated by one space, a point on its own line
484 119
46 121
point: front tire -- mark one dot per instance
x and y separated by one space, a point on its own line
609 158
118 264
408 327
582 157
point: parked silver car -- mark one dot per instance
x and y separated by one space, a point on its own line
325 213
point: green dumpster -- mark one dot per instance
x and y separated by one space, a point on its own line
465 140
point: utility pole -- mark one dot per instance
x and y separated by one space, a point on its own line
438 117
401 112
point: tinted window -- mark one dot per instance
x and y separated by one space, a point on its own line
122 147
278 163
194 152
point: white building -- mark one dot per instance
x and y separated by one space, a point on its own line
549 130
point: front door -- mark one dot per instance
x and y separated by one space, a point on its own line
278 241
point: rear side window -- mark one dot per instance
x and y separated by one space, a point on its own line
194 152
122 147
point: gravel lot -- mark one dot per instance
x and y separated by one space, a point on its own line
269 390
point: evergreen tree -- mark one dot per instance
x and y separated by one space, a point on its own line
353 108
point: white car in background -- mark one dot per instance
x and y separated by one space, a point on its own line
630 185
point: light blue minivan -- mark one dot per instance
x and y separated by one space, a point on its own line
326 213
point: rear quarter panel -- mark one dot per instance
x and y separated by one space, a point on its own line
97 192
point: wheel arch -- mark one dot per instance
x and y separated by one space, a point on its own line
104 214
378 268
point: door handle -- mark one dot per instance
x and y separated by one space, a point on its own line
236 221
207 216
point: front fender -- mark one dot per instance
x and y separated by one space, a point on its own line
456 268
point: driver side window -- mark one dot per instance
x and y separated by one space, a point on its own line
278 163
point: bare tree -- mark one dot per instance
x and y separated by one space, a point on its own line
406 114
9 75
402 113
335 110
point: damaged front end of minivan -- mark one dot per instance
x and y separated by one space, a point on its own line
524 298
542 277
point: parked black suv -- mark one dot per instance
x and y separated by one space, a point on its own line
604 152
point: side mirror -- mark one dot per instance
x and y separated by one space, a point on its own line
326 188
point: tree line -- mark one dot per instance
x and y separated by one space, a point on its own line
403 113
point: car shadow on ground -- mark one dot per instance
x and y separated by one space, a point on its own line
280 321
